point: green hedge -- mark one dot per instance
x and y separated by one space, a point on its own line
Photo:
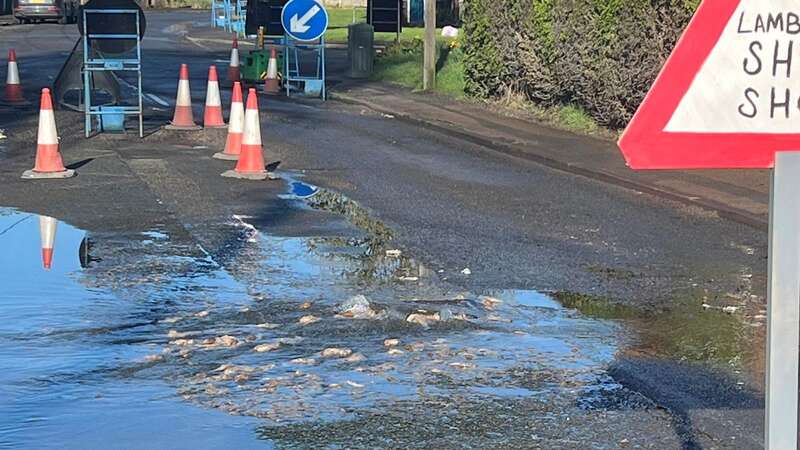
599 55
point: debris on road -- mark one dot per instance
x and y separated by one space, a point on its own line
307 320
358 307
334 352
423 318
490 303
268 347
221 341
355 358
304 361
466 271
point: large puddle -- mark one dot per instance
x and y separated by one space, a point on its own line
149 338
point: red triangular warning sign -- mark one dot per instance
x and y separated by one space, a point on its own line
729 94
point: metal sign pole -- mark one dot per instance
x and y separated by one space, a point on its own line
783 305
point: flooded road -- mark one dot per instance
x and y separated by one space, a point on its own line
289 341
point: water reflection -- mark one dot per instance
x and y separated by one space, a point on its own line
47 232
152 338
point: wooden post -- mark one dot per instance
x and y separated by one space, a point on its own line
429 60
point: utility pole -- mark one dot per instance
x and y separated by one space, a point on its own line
429 60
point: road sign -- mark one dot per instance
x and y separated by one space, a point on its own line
728 96
304 20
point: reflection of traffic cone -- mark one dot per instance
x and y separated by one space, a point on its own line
13 91
48 158
251 159
271 83
212 117
233 145
183 118
233 68
47 232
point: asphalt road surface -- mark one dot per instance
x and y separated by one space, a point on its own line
635 353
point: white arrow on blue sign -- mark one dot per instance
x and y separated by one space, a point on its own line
304 20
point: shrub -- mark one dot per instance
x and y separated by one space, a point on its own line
599 55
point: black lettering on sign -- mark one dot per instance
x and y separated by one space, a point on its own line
757 69
776 60
775 22
741 21
751 95
784 104
759 24
792 23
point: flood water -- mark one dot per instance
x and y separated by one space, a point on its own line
148 338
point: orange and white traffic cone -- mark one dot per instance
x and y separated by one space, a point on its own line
233 67
251 159
48 159
212 117
12 94
47 233
183 118
271 84
233 145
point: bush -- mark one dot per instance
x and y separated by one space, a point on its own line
599 55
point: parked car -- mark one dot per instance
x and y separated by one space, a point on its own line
64 11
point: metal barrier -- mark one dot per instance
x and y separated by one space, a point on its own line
294 71
230 15
96 61
219 13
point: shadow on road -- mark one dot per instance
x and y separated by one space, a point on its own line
691 392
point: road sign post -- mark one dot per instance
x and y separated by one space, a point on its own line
783 304
729 97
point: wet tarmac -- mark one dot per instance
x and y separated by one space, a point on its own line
198 313
162 341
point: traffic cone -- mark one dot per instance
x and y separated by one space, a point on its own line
271 84
251 159
48 158
212 117
47 233
233 68
233 145
12 95
183 118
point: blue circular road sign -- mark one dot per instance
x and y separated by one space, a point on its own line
304 20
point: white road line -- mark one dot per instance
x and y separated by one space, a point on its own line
157 99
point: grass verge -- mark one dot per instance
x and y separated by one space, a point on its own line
402 64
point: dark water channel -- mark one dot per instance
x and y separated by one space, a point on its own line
146 338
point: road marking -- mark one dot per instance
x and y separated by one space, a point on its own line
157 99
197 41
